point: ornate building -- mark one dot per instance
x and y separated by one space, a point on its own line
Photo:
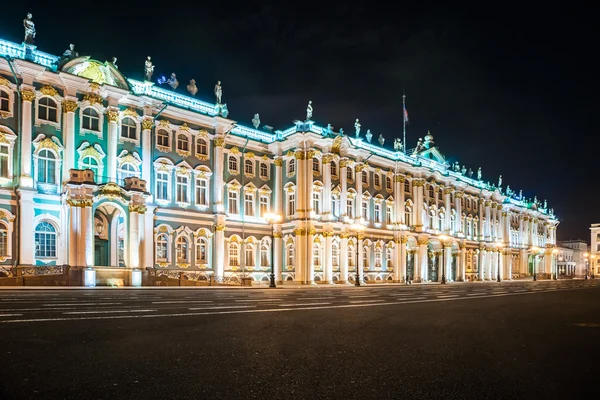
98 170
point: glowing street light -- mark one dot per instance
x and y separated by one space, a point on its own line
357 228
272 219
498 245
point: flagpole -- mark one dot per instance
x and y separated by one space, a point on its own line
404 121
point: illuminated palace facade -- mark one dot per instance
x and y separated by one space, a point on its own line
97 170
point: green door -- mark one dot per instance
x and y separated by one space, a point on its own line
101 252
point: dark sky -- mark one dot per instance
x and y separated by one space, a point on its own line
511 89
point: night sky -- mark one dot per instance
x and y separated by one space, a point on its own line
510 89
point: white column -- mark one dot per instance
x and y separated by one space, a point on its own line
69 107
147 240
278 189
422 268
74 225
277 254
487 235
134 238
524 267
458 204
219 251
463 262
343 186
87 234
358 187
328 267
403 272
509 262
481 230
112 139
26 181
448 207
448 260
399 200
548 261
218 187
311 267
326 200
344 258
359 261
300 263
418 204
481 270
146 150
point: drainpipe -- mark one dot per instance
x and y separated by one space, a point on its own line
16 229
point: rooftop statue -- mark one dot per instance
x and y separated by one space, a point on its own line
381 140
369 135
256 121
309 110
479 174
397 144
148 69
29 29
218 92
508 191
500 181
545 204
328 130
357 128
172 81
520 194
456 166
192 88
463 170
419 146
341 131
470 173
114 62
70 52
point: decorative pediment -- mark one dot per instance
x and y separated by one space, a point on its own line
250 187
127 157
42 142
86 149
265 190
433 154
96 71
233 185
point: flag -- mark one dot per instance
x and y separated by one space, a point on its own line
405 115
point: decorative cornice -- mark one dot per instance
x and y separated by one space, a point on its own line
299 155
219 227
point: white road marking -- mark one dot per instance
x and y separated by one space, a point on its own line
181 301
219 307
303 304
366 295
261 300
476 294
11 315
80 304
364 301
316 298
448 295
106 311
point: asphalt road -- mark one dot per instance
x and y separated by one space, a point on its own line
457 341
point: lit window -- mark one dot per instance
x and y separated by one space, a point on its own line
182 250
377 212
183 143
3 240
202 251
4 160
128 128
91 120
45 240
407 186
162 186
317 202
291 166
234 255
248 167
333 169
90 162
291 256
365 178
316 166
349 173
264 205
127 170
264 170
201 147
377 180
201 192
388 183
291 208
249 254
47 110
316 255
233 165
182 189
46 167
388 215
264 255
4 101
232 202
335 256
249 204
162 245
162 138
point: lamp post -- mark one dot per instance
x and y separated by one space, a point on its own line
555 274
499 246
443 239
534 250
272 219
592 265
357 228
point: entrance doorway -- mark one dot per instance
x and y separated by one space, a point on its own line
110 239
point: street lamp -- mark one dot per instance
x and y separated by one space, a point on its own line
555 277
499 245
357 228
272 219
443 239
534 250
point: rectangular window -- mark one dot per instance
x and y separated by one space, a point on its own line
335 206
365 178
291 204
316 256
201 192
388 215
317 202
264 205
349 173
232 202
377 180
249 204
264 170
291 166
377 212
249 256
365 210
162 186
4 161
350 208
182 186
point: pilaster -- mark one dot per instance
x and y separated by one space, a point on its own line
112 140
219 246
69 106
146 149
218 187
26 180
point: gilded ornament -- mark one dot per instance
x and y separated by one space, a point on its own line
344 235
70 105
299 155
4 82
345 163
448 190
163 149
202 157
184 127
28 95
163 264
183 153
422 241
163 229
404 240
219 227
249 155
299 232
137 208
4 115
400 178
164 123
234 150
146 124
93 98
130 112
277 235
219 142
113 115
47 143
278 162
48 90
459 195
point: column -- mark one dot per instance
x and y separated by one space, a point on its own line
310 240
146 150
521 240
448 259
403 258
277 254
73 243
328 267
493 226
326 200
448 207
458 204
422 267
523 267
344 258
218 206
418 206
69 107
396 275
360 255
481 263
147 238
134 235
343 186
278 189
487 234
481 230
26 181
86 244
112 139
300 262
548 256
219 248
358 201
399 200
463 262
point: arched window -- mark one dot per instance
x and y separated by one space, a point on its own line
202 251
249 254
46 167
441 219
248 167
4 160
127 170
3 240
452 223
335 256
202 147
47 110
349 173
128 128
45 240
264 170
407 186
291 201
90 162
182 249
316 166
234 255
4 101
333 169
388 258
162 138
91 120
376 179
378 257
162 247
350 207
335 205
183 143
351 256
408 216
291 256
316 255
365 178
388 183
365 259
233 164
291 166
264 255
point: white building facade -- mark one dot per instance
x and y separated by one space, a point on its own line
97 170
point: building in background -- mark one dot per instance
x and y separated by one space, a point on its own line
99 170
571 258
